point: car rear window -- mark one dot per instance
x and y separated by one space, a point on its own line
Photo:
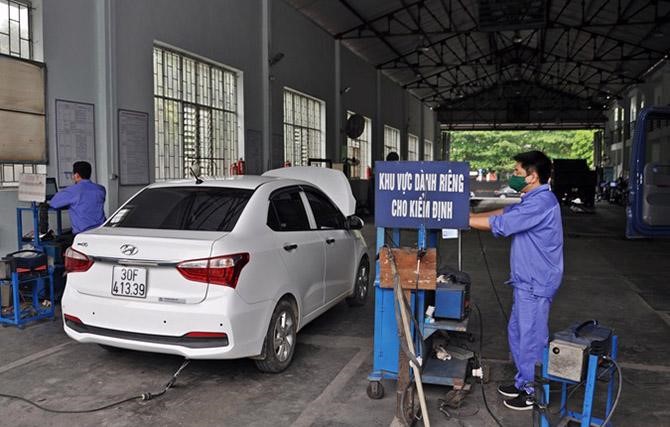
183 208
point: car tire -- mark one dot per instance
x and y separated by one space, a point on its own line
362 284
280 339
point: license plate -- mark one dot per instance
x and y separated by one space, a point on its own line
129 282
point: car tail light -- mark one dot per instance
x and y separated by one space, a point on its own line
205 335
71 318
222 270
76 262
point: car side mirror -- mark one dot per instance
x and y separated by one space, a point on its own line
354 223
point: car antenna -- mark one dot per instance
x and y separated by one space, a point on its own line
195 172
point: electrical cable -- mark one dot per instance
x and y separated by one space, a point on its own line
142 397
488 270
618 392
478 358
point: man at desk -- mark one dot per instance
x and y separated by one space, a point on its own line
85 200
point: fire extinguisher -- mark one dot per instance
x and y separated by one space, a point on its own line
237 168
368 172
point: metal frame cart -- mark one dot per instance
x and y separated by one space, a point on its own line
386 341
34 209
21 316
36 281
594 372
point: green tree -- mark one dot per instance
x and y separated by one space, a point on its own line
493 150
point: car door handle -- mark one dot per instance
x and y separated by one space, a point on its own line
330 240
290 246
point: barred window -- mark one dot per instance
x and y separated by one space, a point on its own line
360 150
16 40
196 113
304 128
15 28
412 147
427 149
391 140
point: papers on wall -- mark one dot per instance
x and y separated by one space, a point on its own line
133 147
75 137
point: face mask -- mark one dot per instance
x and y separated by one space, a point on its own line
517 183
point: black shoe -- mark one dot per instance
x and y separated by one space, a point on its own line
508 390
523 402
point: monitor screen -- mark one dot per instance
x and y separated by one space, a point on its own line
52 188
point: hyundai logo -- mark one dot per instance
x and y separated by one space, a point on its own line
129 250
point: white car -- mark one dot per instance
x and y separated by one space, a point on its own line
223 269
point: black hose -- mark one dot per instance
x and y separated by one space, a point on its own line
143 397
488 270
479 357
618 392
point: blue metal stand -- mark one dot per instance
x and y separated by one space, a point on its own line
585 417
19 316
35 212
386 340
386 337
33 284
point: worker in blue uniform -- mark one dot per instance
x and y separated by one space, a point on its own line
85 200
536 263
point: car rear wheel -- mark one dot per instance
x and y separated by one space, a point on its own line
362 284
280 339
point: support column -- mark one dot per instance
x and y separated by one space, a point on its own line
597 148
422 132
266 104
378 127
106 149
446 144
337 131
404 132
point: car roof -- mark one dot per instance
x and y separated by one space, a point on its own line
247 182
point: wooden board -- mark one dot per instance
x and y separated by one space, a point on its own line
406 263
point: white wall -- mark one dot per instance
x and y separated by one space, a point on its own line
100 52
227 32
307 66
69 48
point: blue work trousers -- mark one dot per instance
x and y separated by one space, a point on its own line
528 334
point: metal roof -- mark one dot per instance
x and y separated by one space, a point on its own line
505 62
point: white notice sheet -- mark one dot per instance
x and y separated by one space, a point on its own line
75 137
133 147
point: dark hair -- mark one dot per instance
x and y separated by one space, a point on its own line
83 169
535 161
392 157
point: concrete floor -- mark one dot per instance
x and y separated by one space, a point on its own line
621 283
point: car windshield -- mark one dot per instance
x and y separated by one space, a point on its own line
183 208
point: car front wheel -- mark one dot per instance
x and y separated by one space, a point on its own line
361 285
280 339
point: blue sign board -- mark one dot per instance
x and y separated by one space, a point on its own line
411 194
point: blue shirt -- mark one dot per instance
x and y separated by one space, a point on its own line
86 202
536 261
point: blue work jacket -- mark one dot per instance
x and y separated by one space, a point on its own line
536 260
86 201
